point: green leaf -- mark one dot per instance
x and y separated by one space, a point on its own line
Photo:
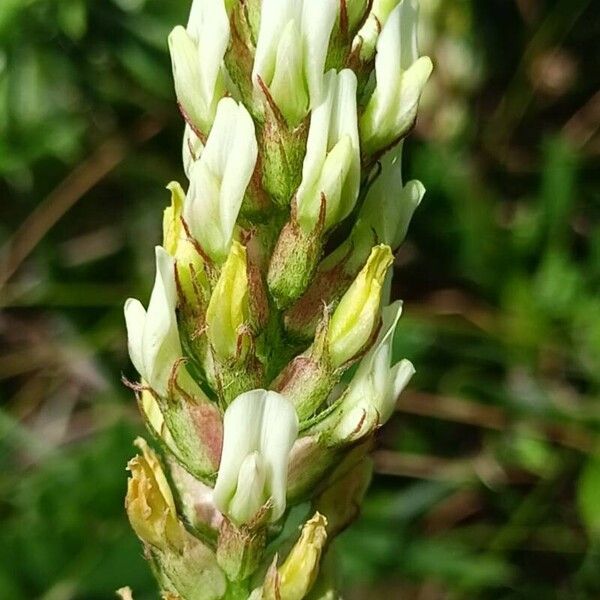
588 496
72 18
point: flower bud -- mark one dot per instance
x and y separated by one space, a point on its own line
300 569
196 56
194 574
236 312
331 280
369 32
282 152
149 502
228 310
400 76
290 53
244 18
371 396
294 260
310 462
190 273
383 218
355 318
351 15
307 381
154 345
259 430
219 179
331 169
190 427
240 548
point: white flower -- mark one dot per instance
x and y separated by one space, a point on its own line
389 205
260 428
291 50
400 76
332 163
220 177
153 337
371 396
197 55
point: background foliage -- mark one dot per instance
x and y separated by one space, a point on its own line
489 475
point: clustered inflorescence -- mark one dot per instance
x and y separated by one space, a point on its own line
271 283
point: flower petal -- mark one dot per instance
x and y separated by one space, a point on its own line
135 320
241 437
318 18
262 422
220 177
160 343
274 16
208 26
279 432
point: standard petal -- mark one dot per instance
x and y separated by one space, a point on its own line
344 122
219 179
409 15
376 362
279 431
389 205
287 86
400 375
274 16
135 319
161 345
210 30
411 87
239 166
400 79
318 17
388 68
318 138
410 198
186 76
332 162
242 425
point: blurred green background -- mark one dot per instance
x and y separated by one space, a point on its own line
488 480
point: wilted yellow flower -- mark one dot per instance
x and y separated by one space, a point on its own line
300 569
150 504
